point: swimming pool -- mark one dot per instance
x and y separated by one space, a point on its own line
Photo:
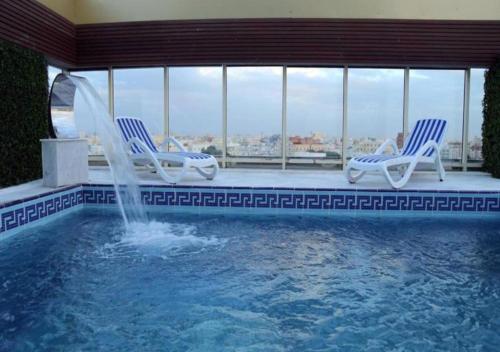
222 282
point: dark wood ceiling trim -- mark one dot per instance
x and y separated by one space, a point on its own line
32 25
322 42
290 41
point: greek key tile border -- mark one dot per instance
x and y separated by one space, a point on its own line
16 214
19 213
306 199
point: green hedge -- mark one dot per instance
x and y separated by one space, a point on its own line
491 122
23 113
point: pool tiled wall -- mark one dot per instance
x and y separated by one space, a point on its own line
17 214
22 212
306 199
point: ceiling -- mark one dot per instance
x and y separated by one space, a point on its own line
105 11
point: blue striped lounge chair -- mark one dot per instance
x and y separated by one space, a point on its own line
422 146
143 151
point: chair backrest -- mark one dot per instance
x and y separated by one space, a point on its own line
133 127
424 131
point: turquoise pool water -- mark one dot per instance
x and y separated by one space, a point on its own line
191 282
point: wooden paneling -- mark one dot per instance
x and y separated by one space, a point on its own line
250 42
32 25
290 41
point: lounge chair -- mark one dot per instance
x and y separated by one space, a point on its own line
143 151
422 146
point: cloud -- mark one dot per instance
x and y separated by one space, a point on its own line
311 73
253 72
415 74
212 72
368 75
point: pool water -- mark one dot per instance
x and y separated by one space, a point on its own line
192 282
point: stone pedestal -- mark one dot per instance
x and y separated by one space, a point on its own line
65 162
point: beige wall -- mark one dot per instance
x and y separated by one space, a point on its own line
100 11
65 8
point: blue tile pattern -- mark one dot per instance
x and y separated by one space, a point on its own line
21 212
281 198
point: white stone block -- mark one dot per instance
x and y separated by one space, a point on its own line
65 162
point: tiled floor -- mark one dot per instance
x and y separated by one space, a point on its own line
474 181
471 181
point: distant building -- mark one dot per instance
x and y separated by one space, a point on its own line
476 149
400 140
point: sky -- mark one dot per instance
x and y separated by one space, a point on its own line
438 93
314 99
375 105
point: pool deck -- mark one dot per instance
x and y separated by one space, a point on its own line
306 179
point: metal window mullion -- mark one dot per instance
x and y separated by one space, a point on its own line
465 127
406 102
111 93
166 104
284 138
345 87
224 115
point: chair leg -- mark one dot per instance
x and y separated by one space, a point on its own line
166 177
404 178
209 175
440 168
353 178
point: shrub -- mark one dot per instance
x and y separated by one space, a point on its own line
23 113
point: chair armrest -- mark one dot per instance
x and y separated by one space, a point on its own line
138 143
429 144
389 142
174 141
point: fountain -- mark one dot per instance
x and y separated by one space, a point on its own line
62 125
152 237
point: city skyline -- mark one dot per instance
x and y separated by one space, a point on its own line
315 145
314 101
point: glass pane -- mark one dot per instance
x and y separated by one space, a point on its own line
52 72
195 108
439 93
314 112
139 93
375 106
475 143
85 121
254 111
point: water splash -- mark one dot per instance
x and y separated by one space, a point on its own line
166 237
125 180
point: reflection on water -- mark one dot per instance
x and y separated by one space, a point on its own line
264 283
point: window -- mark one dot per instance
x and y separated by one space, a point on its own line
314 112
84 119
439 93
475 142
139 93
195 108
375 109
52 72
254 111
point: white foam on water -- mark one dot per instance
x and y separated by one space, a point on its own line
166 237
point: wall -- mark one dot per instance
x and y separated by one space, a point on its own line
99 11
32 25
320 41
289 41
65 8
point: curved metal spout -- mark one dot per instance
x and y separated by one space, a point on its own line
61 116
